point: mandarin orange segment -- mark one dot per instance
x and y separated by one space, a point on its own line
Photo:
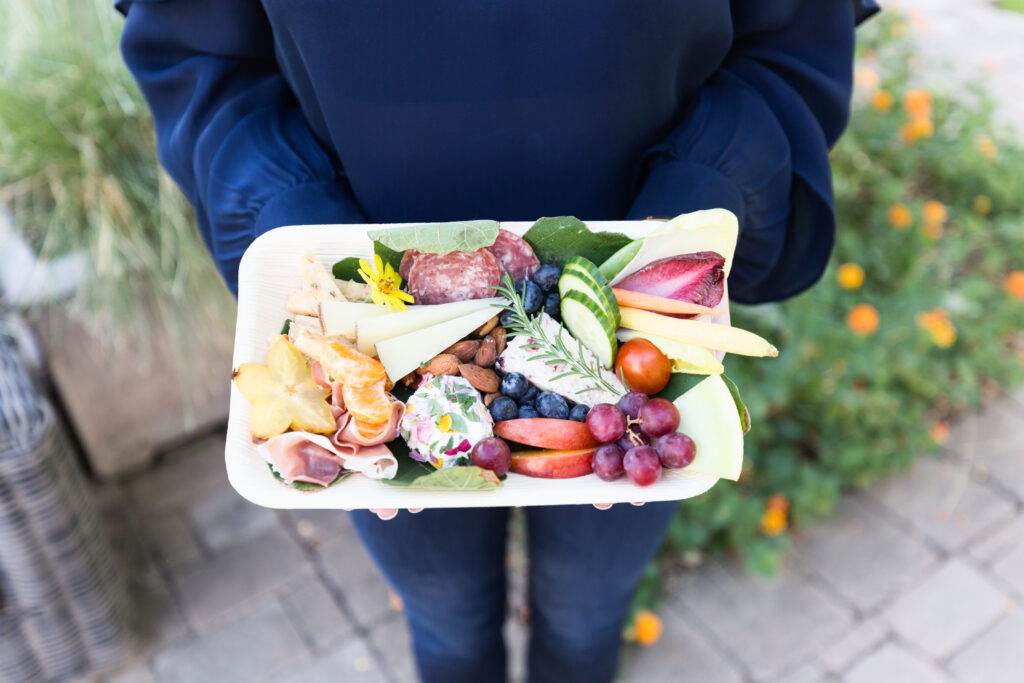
367 404
355 368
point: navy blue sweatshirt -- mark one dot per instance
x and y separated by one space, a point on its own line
347 111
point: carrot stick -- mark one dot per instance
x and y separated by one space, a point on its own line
650 302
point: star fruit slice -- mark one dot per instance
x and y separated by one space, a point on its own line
283 394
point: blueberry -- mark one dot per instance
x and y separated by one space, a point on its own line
547 276
530 396
524 411
553 305
533 298
503 408
550 404
505 319
514 385
579 412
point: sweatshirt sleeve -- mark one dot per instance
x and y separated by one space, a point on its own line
229 130
755 139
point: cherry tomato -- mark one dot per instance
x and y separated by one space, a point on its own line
643 366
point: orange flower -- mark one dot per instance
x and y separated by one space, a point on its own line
933 212
900 216
850 276
932 231
936 322
1014 284
916 128
866 77
863 320
881 101
773 519
986 147
647 628
918 103
939 432
981 205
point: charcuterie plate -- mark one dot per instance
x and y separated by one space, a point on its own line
270 273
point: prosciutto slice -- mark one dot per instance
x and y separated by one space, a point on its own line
302 456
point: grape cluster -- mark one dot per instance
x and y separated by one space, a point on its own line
626 431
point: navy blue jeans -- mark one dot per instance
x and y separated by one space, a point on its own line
449 568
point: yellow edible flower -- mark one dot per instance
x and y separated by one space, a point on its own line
384 284
444 425
850 276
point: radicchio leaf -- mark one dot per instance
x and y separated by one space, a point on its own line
697 278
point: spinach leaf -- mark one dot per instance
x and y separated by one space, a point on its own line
556 240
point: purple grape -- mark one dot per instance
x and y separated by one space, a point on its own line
492 454
642 465
633 437
606 422
659 417
676 450
631 404
608 462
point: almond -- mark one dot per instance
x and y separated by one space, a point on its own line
486 327
498 335
441 364
487 353
490 396
465 350
482 379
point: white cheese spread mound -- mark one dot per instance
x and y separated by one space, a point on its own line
518 355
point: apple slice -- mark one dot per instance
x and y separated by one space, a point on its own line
546 432
554 464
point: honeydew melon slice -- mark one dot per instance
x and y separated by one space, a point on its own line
708 415
372 331
402 354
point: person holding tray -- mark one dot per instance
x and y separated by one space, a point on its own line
281 113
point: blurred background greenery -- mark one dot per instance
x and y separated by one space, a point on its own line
918 318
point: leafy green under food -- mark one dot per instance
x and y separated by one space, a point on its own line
741 407
348 268
439 238
469 478
556 240
287 326
680 383
305 485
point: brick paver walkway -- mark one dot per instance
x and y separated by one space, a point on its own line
919 579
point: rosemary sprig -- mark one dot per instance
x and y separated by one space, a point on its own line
551 351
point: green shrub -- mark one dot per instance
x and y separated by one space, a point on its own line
78 169
839 410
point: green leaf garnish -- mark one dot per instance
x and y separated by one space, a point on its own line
438 238
558 239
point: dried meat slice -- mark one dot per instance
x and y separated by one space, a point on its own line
301 456
455 276
515 255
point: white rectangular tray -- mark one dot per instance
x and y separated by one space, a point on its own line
269 270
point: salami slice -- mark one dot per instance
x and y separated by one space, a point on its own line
455 276
408 258
515 255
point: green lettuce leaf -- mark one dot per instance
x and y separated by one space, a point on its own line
469 478
741 407
558 239
438 238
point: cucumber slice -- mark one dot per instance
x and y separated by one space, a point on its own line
581 275
590 324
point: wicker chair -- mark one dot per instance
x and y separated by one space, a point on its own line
63 600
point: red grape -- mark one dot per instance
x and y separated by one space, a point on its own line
676 450
631 404
492 454
608 462
642 465
606 422
633 438
659 417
